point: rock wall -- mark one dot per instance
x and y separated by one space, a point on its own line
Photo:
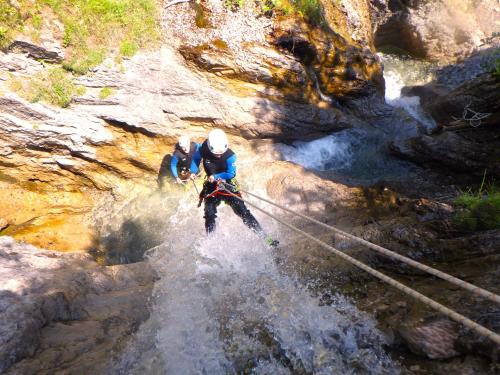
241 75
444 30
463 145
65 308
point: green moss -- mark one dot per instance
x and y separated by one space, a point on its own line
310 10
10 21
201 20
496 69
80 90
478 211
55 87
106 92
128 48
92 28
220 44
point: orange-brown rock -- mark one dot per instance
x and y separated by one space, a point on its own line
342 70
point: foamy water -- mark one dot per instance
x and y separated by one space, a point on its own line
360 155
224 305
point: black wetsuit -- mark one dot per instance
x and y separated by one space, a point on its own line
223 168
183 164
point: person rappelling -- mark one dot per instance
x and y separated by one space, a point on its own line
219 162
185 161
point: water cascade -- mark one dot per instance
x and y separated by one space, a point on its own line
225 304
358 155
403 71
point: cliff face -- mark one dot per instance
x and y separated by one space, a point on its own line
443 30
66 308
254 77
68 175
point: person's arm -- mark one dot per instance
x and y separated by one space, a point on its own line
173 166
230 170
195 162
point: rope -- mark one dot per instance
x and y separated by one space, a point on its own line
461 283
437 306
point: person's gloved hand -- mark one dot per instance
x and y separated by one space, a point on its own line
178 180
211 178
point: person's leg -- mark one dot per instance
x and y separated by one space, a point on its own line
211 213
242 211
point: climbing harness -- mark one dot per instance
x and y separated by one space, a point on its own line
483 331
220 190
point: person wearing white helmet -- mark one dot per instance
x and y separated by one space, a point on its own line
185 161
219 162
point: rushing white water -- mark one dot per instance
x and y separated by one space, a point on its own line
332 152
400 72
224 305
359 154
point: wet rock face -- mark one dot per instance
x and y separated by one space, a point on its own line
50 55
436 339
476 146
453 152
342 71
64 308
58 165
444 30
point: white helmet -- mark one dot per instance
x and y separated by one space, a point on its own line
217 141
184 143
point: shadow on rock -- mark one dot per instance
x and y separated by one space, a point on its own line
129 243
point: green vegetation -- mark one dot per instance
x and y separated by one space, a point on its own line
9 20
106 92
92 28
54 86
233 4
478 211
310 10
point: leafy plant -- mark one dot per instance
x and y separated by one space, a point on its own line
128 48
478 210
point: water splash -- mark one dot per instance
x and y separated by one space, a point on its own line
332 152
360 155
400 72
224 305
352 156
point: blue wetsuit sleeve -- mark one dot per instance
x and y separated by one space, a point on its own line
195 162
173 166
230 171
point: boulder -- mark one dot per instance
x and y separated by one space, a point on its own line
64 308
451 152
473 149
435 339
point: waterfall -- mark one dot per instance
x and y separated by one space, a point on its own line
404 71
359 155
225 304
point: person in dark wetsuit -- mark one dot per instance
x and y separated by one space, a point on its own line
186 158
219 164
